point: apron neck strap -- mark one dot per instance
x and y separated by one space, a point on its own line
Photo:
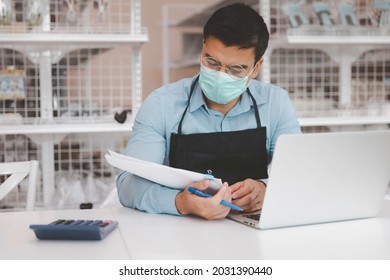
194 82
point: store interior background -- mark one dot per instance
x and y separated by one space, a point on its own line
152 52
335 87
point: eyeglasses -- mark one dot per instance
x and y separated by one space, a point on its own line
234 70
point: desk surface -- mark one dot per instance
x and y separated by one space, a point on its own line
152 236
18 241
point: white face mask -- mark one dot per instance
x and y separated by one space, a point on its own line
221 87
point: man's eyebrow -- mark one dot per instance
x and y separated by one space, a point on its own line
242 65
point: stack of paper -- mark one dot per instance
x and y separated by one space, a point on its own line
161 174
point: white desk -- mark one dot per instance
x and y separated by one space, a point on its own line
150 236
18 241
169 237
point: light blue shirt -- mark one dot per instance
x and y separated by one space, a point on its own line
159 116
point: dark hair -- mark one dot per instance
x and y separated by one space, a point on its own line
238 25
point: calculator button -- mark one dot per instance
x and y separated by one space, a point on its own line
57 222
86 222
77 222
96 223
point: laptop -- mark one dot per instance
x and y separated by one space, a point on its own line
324 177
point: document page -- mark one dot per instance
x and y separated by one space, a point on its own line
159 173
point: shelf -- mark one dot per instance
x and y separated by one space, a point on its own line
59 44
338 35
336 40
338 121
42 40
37 129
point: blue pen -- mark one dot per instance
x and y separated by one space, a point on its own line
223 202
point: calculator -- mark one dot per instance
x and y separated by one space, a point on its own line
74 229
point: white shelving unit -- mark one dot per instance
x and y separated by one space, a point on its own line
82 65
337 76
345 80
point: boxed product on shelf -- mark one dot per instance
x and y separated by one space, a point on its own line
12 83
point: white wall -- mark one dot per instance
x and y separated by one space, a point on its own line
152 51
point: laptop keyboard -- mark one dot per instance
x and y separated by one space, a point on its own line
253 216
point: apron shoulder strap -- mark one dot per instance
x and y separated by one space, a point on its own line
255 108
189 98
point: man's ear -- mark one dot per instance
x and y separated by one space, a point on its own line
257 68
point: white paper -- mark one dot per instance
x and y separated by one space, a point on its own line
161 174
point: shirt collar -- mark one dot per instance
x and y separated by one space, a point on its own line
197 99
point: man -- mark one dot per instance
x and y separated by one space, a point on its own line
222 122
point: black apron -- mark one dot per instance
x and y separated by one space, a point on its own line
232 156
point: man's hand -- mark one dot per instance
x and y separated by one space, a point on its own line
248 194
207 208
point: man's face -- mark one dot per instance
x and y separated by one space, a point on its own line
229 56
